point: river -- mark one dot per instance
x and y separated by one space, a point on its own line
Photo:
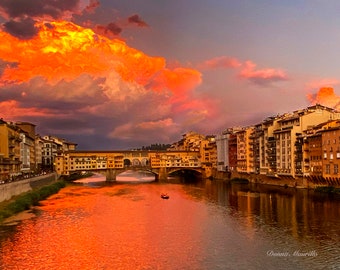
203 225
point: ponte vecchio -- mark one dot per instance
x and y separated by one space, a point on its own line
112 163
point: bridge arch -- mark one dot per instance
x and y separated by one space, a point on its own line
127 162
187 173
136 162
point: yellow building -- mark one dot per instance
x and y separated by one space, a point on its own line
245 154
9 151
75 161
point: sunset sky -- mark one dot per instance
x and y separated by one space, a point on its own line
111 74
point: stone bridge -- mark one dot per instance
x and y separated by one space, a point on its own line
161 174
112 163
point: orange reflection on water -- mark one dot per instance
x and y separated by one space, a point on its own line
118 227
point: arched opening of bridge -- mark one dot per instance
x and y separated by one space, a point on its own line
186 175
127 162
136 176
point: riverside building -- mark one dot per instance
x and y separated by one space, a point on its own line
279 147
24 153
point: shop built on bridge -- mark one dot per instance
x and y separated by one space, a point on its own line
112 163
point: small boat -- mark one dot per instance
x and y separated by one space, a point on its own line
165 196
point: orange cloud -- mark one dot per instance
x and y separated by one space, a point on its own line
77 77
63 51
326 97
12 110
180 81
262 76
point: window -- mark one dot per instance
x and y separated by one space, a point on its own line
328 169
336 169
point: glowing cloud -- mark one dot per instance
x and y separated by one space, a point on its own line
261 76
63 50
326 97
11 110
69 71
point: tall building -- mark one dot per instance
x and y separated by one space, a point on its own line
9 151
286 136
245 154
267 146
53 146
39 146
222 149
281 145
28 153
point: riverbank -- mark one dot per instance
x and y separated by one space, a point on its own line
281 181
25 201
14 188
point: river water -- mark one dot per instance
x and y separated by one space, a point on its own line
203 225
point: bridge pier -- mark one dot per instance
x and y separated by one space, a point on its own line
163 174
111 175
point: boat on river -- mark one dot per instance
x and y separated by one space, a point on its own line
165 196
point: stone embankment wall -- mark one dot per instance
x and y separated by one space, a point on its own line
8 190
284 181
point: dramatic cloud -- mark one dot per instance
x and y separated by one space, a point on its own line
262 76
326 97
52 9
110 30
22 29
70 76
21 15
114 29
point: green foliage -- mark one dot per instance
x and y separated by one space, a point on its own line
157 146
25 201
77 176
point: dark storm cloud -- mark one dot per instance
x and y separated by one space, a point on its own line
21 15
22 29
136 19
114 29
110 29
38 8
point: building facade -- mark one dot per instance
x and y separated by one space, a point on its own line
10 163
288 145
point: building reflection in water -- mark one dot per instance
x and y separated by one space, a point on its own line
298 212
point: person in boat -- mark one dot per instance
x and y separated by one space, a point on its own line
165 195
